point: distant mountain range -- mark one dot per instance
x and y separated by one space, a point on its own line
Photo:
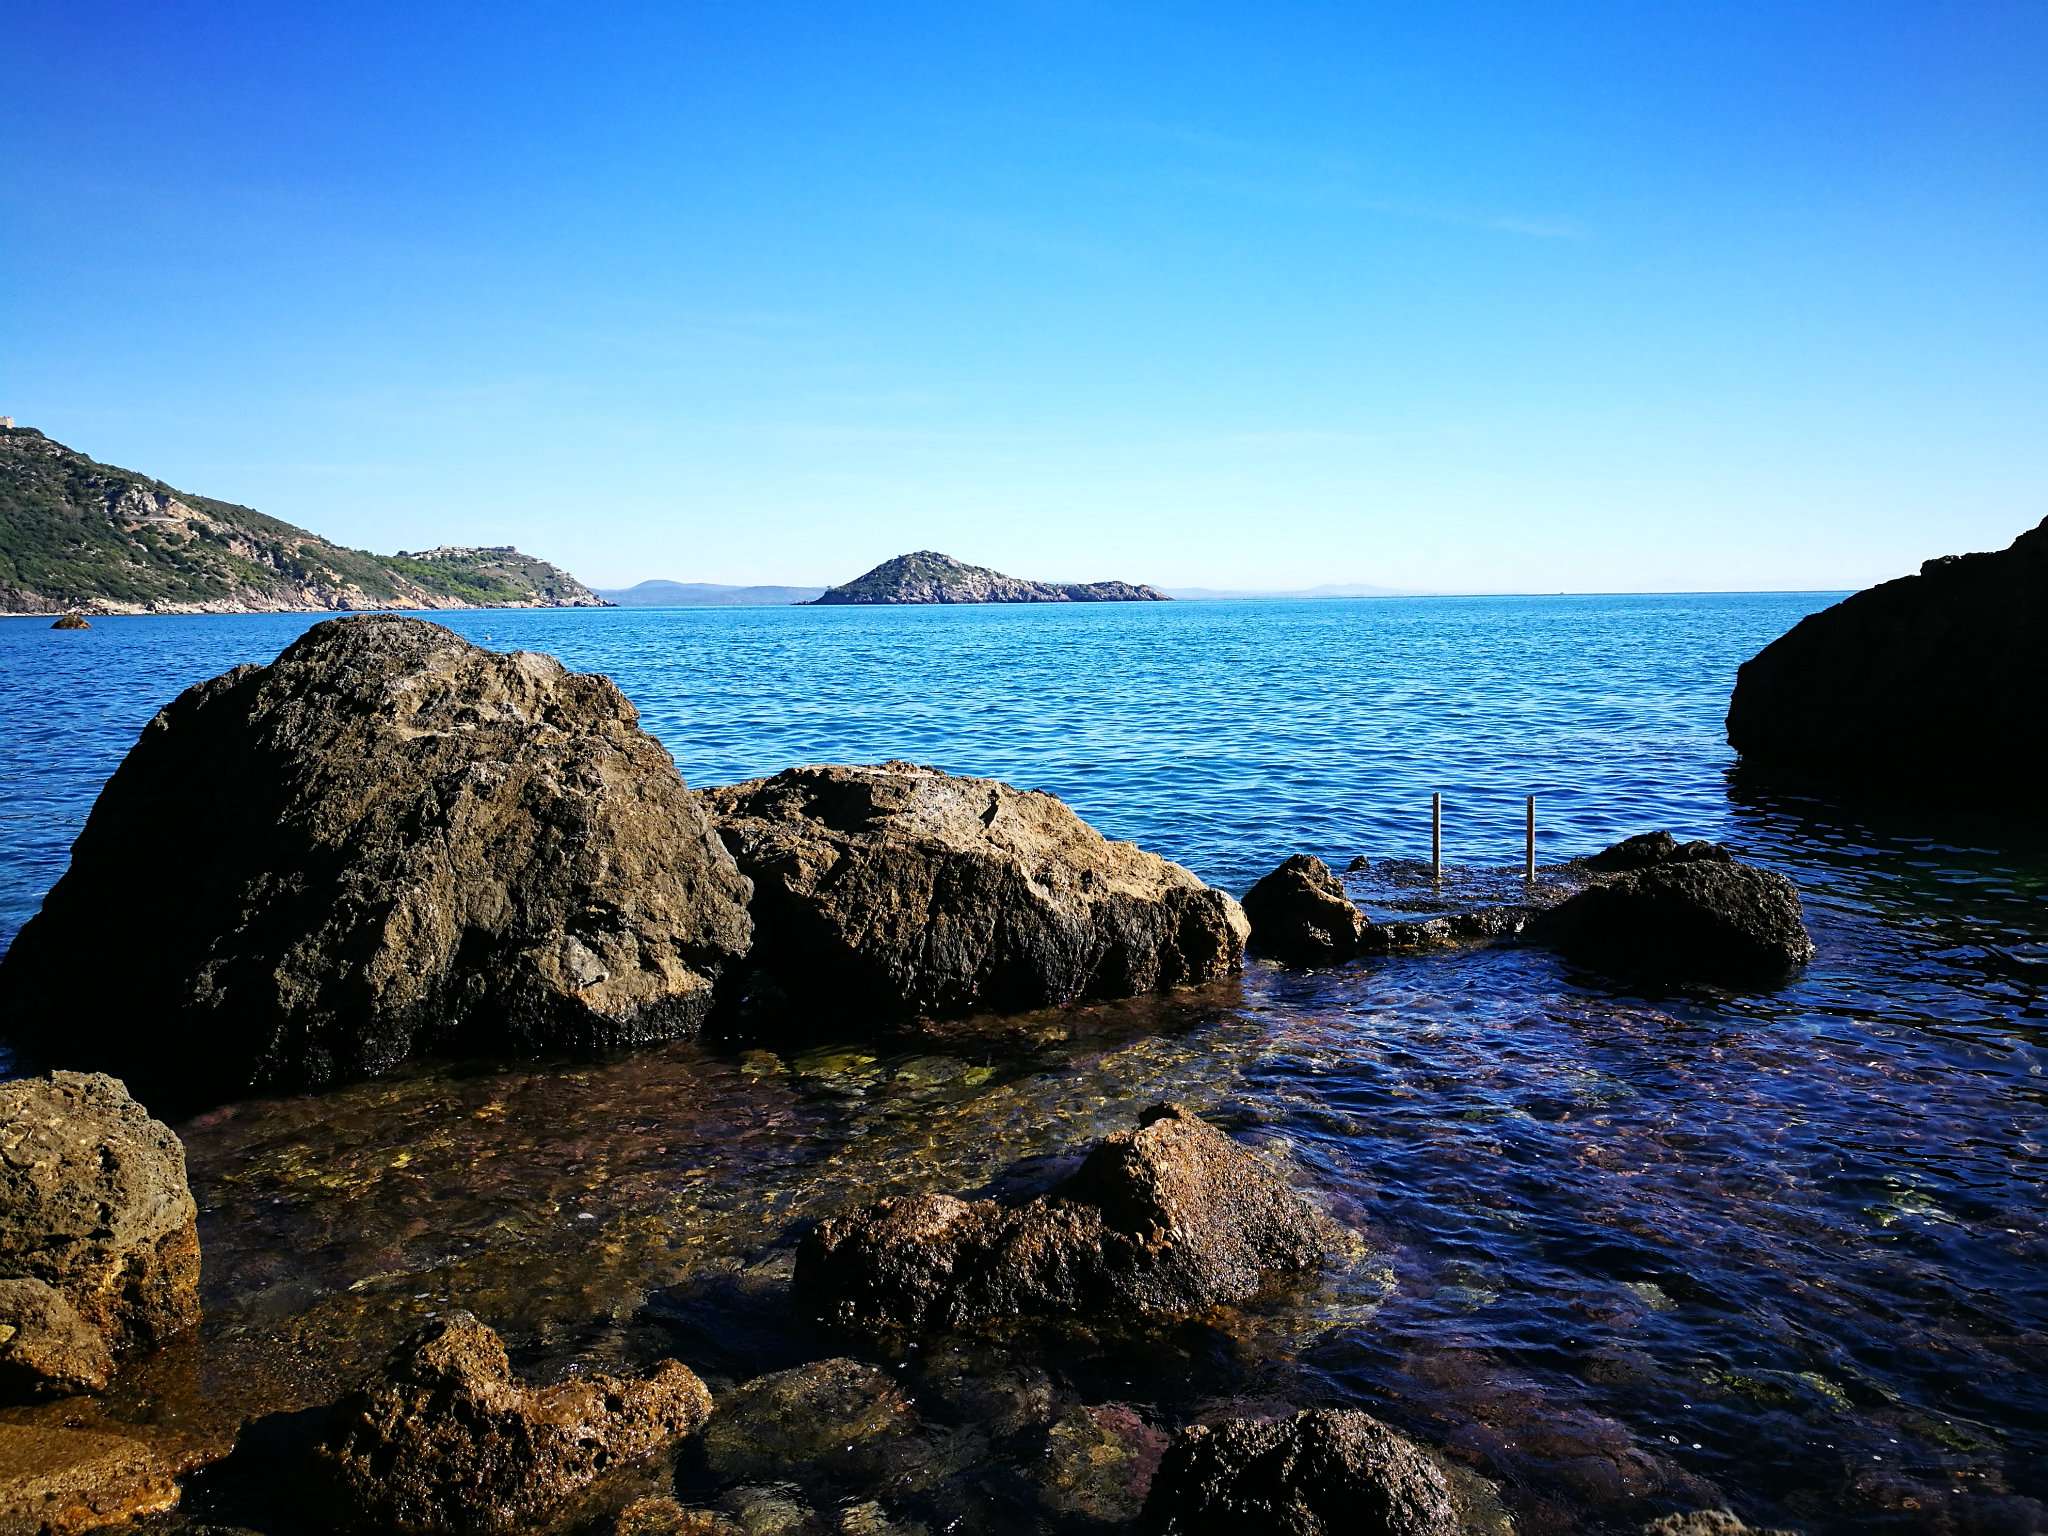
76 534
704 594
1335 589
926 576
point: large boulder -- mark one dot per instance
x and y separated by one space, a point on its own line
54 1482
1169 1219
448 1441
1702 917
1928 684
1318 1473
1300 915
94 1210
899 892
385 842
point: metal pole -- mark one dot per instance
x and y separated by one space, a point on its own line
1530 844
1436 835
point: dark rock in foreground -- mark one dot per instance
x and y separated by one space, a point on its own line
1930 684
387 842
1170 1219
95 1207
449 1442
1324 1472
1701 918
1300 915
901 892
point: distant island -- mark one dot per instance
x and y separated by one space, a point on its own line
80 536
927 576
704 594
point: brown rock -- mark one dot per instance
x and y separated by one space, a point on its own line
1301 916
1708 1522
387 842
449 1442
1172 1218
57 1481
46 1348
840 1414
1318 1473
71 621
94 1204
902 892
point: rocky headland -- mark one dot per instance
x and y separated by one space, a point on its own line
78 536
926 576
1934 684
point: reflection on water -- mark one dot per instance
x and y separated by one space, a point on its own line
1618 1252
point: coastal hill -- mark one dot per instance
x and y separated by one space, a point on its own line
927 576
79 535
703 594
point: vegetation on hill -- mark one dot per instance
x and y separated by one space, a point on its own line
78 534
926 576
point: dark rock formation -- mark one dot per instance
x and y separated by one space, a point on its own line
1708 1522
1444 931
1700 918
94 1205
1322 1471
1172 1218
71 621
384 843
1935 682
897 892
1301 916
1651 850
54 1482
46 1348
447 1441
927 576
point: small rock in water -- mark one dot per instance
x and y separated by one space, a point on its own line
1648 850
1324 1472
839 1413
447 1441
1709 1522
1358 865
1168 1219
71 621
1301 916
94 1207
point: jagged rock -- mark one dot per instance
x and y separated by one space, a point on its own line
1172 1218
1300 915
900 892
46 1348
1652 850
447 1441
1709 1522
54 1482
1931 683
94 1205
1710 919
71 621
386 842
840 1412
1318 1473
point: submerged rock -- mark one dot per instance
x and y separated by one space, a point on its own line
54 1482
1709 1522
447 1441
1931 683
842 1413
71 621
1300 915
1171 1218
384 843
94 1206
901 892
1321 1471
46 1348
1705 918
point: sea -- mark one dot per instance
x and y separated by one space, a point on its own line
1619 1252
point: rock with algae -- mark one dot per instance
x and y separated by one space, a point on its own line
448 1441
1171 1218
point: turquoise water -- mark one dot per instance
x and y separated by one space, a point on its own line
1626 1253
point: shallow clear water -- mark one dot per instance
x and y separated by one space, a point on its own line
1619 1253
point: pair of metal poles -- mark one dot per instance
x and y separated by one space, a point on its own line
1436 838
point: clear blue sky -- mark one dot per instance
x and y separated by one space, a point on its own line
1502 297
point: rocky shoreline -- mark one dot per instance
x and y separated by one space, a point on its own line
394 847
